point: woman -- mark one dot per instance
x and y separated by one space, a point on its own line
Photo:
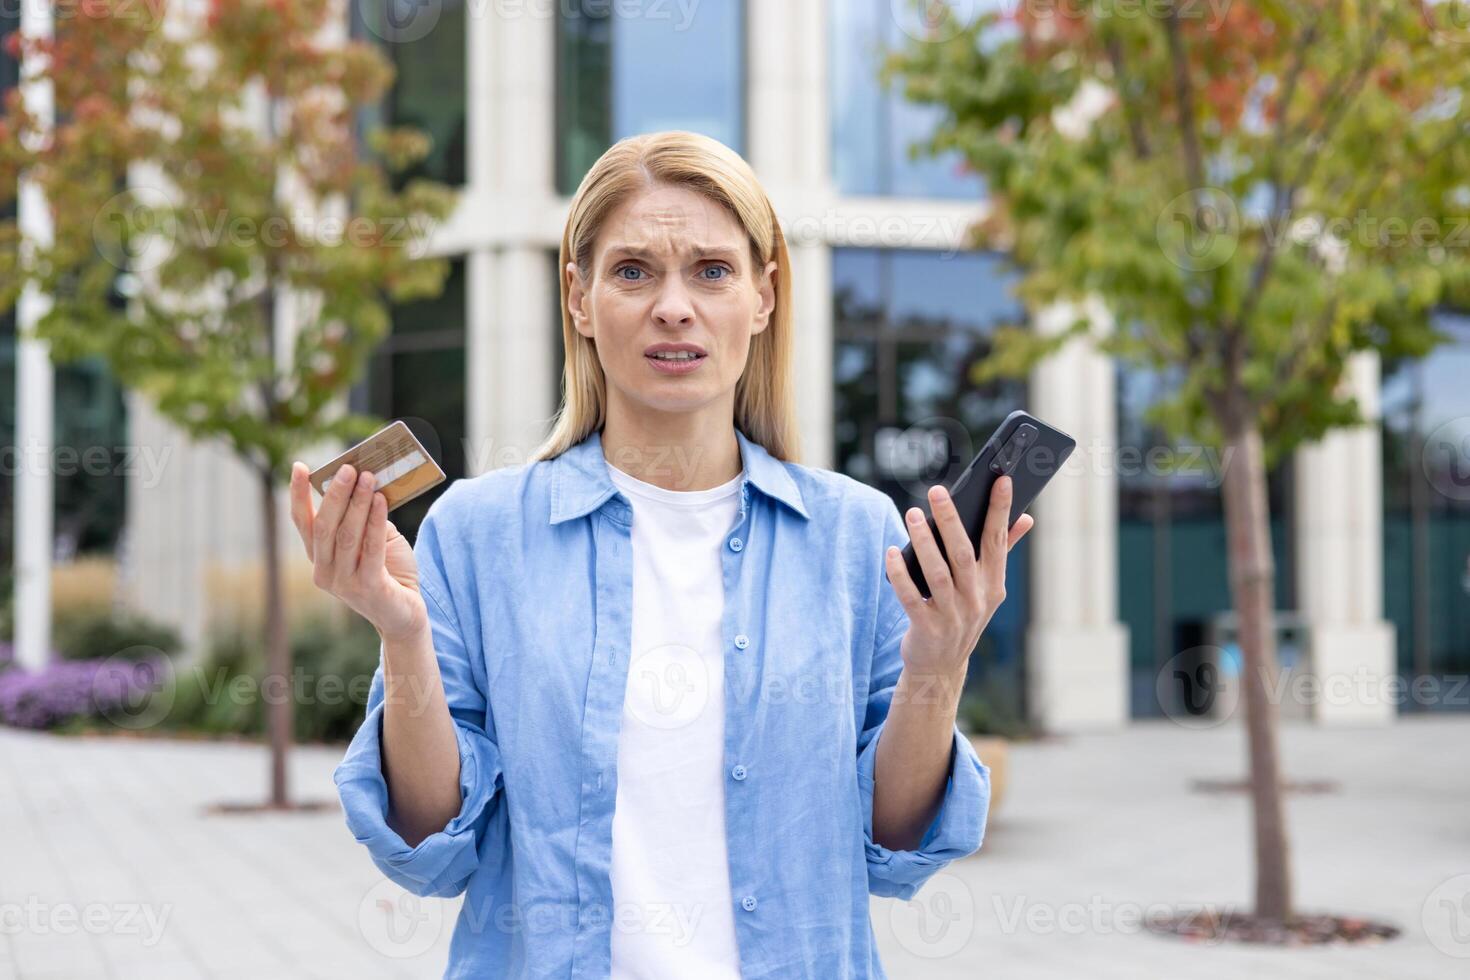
632 691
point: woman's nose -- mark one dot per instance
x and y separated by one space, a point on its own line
672 307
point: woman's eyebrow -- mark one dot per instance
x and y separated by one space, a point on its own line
698 251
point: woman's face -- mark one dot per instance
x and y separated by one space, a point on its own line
672 271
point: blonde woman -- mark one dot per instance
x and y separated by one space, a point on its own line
650 701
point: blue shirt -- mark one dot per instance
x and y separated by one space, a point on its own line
527 575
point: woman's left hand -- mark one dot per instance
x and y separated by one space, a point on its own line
964 592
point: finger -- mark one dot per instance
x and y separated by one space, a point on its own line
301 503
349 532
936 569
903 584
329 515
994 536
957 544
374 546
1023 524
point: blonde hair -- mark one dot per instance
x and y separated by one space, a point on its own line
763 396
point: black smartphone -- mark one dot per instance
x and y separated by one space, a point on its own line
1024 448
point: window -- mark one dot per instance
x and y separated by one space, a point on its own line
625 70
418 374
1426 499
909 327
873 127
1172 575
426 44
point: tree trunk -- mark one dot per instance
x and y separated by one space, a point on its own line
279 703
1252 587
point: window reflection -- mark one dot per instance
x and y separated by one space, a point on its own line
418 374
426 44
654 67
873 128
1426 498
909 328
1173 582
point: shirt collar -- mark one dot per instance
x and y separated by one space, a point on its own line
580 483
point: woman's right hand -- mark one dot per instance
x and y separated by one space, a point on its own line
357 554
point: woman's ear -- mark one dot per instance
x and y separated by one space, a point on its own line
577 300
767 289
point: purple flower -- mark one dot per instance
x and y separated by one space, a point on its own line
67 689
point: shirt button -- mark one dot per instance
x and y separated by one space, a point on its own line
738 772
741 641
748 903
736 544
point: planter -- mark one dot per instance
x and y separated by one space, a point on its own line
994 751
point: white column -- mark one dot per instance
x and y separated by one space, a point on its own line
510 337
1339 541
34 402
788 146
1077 650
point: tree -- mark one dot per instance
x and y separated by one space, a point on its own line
1256 191
207 193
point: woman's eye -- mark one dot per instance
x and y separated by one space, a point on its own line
714 268
627 268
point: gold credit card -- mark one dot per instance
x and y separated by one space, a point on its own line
402 468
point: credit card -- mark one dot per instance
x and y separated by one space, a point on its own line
400 465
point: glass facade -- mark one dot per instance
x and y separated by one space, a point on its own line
418 375
909 327
665 68
427 44
872 126
1426 499
1172 577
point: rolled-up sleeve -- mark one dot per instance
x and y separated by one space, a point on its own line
959 827
442 863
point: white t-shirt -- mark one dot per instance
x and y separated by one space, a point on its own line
672 909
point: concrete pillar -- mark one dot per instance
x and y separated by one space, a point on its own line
510 330
1076 647
1339 540
788 146
34 402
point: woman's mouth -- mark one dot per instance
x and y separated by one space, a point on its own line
675 362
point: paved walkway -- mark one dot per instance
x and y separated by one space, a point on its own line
109 868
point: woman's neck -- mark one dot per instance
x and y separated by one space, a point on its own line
676 452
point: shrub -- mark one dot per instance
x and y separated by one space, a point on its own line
67 690
331 670
95 633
